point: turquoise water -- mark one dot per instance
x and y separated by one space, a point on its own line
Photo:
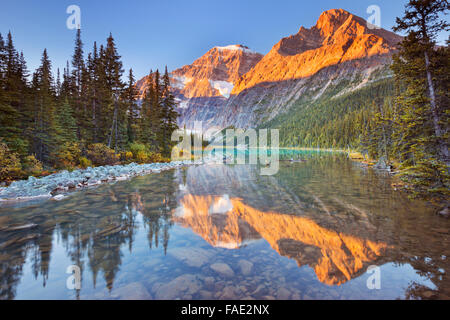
226 232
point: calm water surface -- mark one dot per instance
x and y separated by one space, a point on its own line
225 232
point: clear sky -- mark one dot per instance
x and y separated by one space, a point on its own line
152 34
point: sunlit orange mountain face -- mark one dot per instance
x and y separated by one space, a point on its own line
336 257
232 85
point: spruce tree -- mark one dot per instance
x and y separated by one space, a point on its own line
114 71
66 123
130 96
169 114
423 23
45 131
12 102
421 135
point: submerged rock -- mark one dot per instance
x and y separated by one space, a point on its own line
223 269
132 291
193 257
245 267
283 294
444 212
187 284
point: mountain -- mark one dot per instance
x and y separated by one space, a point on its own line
209 80
232 86
337 37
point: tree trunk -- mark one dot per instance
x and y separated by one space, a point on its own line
113 126
443 148
94 118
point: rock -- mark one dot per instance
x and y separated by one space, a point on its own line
132 291
228 293
428 294
223 269
58 197
245 266
193 257
205 295
179 287
258 290
444 212
62 181
382 165
219 286
296 296
209 282
71 185
283 294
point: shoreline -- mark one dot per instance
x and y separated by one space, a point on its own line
55 186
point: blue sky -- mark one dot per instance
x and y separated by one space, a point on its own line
152 34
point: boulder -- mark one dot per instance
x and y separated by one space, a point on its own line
444 212
186 284
193 257
223 269
245 266
132 291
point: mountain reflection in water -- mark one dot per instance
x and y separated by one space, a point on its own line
335 257
159 236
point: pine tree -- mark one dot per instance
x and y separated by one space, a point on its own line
421 135
169 114
12 103
130 96
147 130
423 23
114 71
45 131
53 118
66 123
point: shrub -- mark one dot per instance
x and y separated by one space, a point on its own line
141 157
126 156
135 148
139 152
84 162
100 155
157 157
10 167
68 155
31 166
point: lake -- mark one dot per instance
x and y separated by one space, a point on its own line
323 228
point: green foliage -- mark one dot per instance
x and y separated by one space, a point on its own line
422 119
331 122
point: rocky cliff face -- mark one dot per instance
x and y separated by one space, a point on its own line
234 86
337 37
207 83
